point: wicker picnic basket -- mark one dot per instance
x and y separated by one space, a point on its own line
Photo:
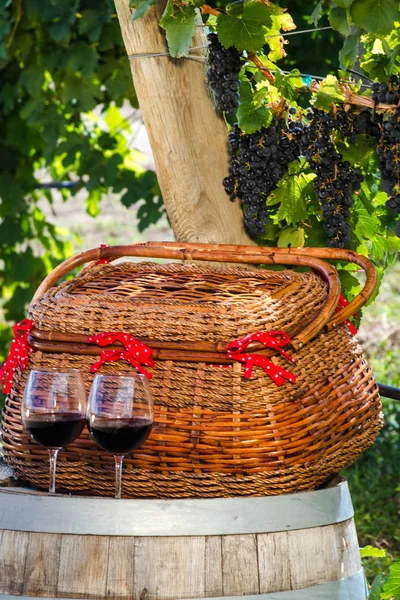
216 432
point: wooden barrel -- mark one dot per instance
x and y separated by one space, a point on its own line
293 547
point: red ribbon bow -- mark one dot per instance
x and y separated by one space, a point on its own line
136 353
341 304
272 339
18 355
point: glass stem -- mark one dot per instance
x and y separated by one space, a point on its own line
118 475
53 465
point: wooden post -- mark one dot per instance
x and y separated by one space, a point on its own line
188 139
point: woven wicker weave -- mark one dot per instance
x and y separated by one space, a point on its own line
215 433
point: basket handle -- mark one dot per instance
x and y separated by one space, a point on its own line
320 253
233 254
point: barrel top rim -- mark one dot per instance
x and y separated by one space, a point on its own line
88 515
338 481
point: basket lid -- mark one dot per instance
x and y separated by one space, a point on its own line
179 302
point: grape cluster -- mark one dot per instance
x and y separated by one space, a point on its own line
350 124
389 153
258 161
335 180
223 75
387 93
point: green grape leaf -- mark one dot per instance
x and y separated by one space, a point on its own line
289 85
367 225
245 91
179 28
338 18
271 231
379 273
291 238
392 242
349 51
93 202
361 153
251 118
245 31
375 16
282 20
150 212
82 91
92 21
378 247
291 193
140 6
83 57
32 78
329 93
391 587
316 13
350 286
380 198
371 551
60 31
276 48
235 8
376 588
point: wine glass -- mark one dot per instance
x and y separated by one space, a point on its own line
120 416
54 411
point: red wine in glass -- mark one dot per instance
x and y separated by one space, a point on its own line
53 411
120 416
120 436
54 430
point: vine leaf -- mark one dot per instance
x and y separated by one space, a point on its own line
350 288
316 13
179 28
251 118
375 16
289 85
292 194
246 31
329 93
362 153
140 6
348 54
291 237
392 242
371 551
338 18
367 224
391 587
376 587
379 272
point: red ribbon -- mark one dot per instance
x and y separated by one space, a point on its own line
136 353
103 261
271 339
18 355
341 304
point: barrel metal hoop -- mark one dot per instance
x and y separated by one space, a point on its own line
348 588
26 510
